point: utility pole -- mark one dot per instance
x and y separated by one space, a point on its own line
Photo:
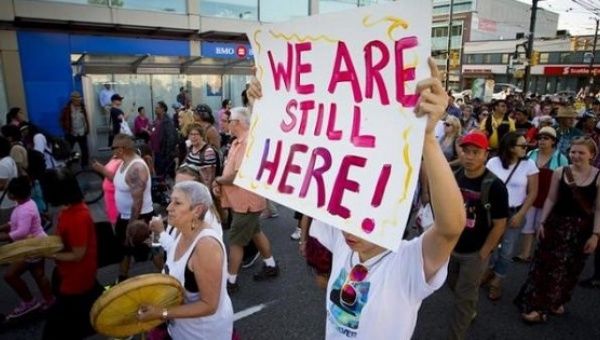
534 8
593 55
449 44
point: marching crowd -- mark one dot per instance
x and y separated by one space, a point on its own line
514 180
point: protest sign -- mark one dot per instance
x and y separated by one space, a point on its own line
334 135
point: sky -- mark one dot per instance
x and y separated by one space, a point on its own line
571 16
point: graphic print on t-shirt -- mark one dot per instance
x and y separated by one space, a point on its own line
471 199
344 315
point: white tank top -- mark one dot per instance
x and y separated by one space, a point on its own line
218 326
123 197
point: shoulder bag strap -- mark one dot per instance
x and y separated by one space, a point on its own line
512 172
583 203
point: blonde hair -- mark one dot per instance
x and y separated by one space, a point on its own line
455 122
588 142
186 118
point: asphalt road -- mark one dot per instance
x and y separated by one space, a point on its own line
292 307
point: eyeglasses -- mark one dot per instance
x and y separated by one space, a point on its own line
522 146
447 124
232 120
115 147
348 294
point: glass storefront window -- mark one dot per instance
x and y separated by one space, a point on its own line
3 99
328 6
235 9
272 11
172 6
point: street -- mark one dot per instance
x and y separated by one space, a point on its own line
292 307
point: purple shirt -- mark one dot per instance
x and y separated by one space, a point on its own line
155 136
25 221
139 124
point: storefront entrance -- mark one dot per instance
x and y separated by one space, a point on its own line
146 80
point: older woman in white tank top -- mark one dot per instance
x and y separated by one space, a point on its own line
198 261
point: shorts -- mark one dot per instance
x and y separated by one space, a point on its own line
243 227
141 252
532 220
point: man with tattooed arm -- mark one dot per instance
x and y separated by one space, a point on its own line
133 199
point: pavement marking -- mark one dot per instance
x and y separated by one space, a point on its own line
249 311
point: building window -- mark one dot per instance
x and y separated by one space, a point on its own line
456 30
544 57
272 11
439 32
505 58
444 7
487 58
328 6
239 9
172 6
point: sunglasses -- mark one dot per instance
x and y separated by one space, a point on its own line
348 294
447 124
115 147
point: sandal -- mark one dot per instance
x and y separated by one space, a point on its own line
534 317
495 292
558 311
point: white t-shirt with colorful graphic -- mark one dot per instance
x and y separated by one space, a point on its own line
387 299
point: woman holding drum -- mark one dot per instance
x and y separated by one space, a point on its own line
197 259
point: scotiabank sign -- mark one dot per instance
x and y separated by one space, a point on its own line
570 71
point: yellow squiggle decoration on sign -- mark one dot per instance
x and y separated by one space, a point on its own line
395 23
295 36
407 163
258 45
251 137
259 67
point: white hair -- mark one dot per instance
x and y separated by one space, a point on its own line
241 113
196 192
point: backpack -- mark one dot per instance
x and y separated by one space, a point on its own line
218 155
36 164
486 186
60 149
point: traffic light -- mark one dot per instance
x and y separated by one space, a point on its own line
535 58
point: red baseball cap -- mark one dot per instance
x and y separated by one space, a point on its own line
477 139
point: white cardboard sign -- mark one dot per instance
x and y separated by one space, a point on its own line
334 135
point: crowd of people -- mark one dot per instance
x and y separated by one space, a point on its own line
514 180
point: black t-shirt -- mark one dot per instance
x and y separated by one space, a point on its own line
116 121
476 230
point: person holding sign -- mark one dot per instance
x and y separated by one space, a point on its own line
375 293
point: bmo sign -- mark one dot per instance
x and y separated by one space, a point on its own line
225 50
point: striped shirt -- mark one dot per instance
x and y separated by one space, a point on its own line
206 156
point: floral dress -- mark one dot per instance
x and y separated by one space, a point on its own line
559 258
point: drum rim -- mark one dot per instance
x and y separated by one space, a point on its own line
135 282
21 247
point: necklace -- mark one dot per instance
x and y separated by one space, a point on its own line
370 263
